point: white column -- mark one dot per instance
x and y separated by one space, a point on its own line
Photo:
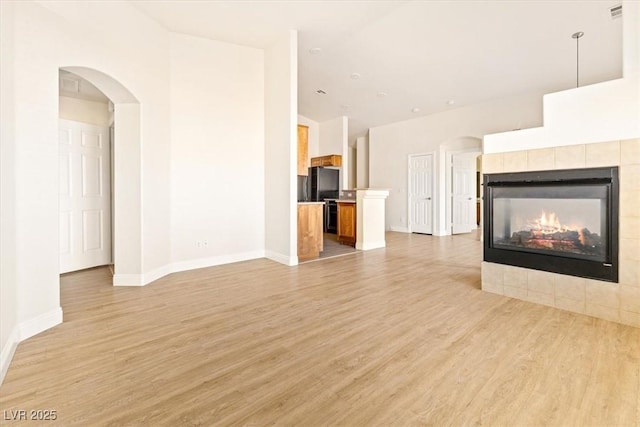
370 206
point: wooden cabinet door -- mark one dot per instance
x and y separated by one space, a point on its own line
303 149
332 160
347 223
310 235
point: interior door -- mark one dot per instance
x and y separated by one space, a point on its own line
421 193
463 189
85 199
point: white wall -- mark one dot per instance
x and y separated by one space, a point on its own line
601 112
390 146
631 39
214 134
85 111
136 56
362 162
9 318
352 167
281 135
314 135
46 37
127 192
217 152
334 135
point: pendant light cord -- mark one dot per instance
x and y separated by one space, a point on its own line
577 37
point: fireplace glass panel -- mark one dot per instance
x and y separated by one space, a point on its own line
561 221
568 220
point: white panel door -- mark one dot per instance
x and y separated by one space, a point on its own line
85 196
421 193
463 190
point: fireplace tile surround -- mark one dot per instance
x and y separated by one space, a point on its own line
561 221
618 302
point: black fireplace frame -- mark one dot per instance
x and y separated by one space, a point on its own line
607 270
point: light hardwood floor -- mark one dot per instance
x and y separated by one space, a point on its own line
334 248
395 336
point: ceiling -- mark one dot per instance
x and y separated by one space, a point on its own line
426 55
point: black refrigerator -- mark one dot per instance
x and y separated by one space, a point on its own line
323 183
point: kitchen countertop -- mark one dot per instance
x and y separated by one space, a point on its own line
341 200
311 203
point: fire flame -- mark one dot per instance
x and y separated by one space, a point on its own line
551 221
548 223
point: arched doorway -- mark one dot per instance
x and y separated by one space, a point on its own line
85 118
127 180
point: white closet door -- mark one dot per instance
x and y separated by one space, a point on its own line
85 196
421 193
463 193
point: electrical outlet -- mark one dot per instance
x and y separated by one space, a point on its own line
205 243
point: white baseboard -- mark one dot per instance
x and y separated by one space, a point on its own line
371 245
156 274
399 229
26 330
8 351
128 280
34 326
282 259
176 267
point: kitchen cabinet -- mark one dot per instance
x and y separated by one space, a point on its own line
332 160
310 237
303 149
347 223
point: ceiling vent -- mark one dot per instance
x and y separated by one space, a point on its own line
616 11
69 85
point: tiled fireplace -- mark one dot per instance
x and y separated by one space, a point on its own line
562 221
562 228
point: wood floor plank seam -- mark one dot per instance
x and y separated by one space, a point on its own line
396 336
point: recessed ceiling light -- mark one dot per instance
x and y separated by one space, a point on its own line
415 110
315 50
451 102
321 92
382 94
355 76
